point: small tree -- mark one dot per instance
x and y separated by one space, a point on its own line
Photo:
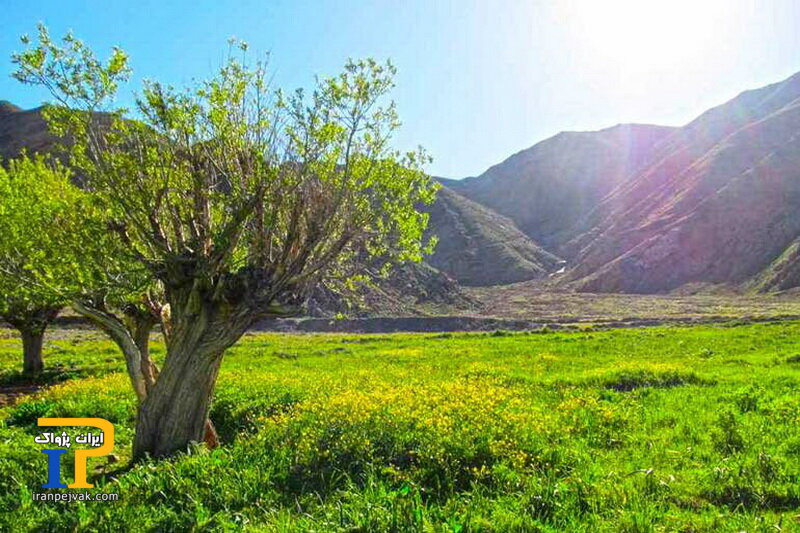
237 199
55 251
36 200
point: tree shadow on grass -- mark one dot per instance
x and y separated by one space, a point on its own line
16 385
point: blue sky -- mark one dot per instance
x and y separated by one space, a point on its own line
477 81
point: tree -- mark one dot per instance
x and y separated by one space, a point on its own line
129 321
36 200
236 198
55 250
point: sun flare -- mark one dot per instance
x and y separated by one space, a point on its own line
638 35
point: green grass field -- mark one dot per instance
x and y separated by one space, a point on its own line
650 429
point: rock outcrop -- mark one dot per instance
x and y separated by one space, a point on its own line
480 247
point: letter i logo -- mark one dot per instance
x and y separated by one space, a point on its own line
54 469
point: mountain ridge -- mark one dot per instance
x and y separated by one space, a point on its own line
478 247
715 206
561 178
645 208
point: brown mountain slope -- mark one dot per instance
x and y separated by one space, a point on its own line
479 247
412 289
22 130
718 203
548 188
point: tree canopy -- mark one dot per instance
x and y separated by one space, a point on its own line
235 197
37 204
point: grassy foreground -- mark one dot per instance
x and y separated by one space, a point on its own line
654 429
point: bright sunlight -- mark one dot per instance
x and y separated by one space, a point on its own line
636 35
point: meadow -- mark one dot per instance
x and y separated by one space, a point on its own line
669 428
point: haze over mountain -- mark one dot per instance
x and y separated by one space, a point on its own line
638 208
547 188
718 202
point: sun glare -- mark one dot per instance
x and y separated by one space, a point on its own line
642 35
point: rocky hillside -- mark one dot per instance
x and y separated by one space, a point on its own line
480 247
548 188
638 208
413 289
22 130
719 202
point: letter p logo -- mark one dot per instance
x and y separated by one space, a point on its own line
54 456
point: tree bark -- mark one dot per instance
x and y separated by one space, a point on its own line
175 412
176 409
132 336
123 337
32 340
140 331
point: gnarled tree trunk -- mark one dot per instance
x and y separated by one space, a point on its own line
123 336
141 326
132 336
32 360
175 412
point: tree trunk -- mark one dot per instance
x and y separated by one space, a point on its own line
141 337
133 338
175 411
31 325
121 334
32 340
